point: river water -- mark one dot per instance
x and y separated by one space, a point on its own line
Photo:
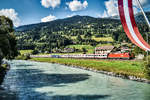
28 80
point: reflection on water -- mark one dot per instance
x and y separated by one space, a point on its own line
43 81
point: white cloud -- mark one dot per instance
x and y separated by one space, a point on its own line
112 7
12 14
48 18
50 3
105 14
143 2
76 5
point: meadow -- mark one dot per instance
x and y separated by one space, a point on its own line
126 68
98 39
25 52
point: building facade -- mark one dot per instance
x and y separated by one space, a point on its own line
104 49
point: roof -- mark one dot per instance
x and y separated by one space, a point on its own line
105 48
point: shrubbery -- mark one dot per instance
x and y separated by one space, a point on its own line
34 52
23 57
147 66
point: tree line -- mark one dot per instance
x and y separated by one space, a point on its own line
8 42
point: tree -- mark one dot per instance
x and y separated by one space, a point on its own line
138 50
84 50
88 35
8 44
35 51
79 39
8 41
1 56
147 66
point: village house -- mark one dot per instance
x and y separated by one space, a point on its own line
104 49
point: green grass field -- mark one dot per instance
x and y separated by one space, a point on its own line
127 68
103 39
98 39
87 47
25 52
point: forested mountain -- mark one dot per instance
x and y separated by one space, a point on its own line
77 22
74 30
140 18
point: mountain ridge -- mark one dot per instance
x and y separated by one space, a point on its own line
138 17
21 28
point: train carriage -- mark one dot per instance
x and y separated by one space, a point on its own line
120 55
112 55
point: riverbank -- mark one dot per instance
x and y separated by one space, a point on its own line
132 70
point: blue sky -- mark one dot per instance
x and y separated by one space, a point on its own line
24 12
32 11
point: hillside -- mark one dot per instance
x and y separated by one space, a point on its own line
72 22
140 18
76 30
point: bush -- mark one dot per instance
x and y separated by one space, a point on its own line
34 52
147 66
23 57
84 50
99 35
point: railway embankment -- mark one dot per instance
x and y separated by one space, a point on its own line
133 70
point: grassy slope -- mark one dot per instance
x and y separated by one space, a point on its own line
98 39
87 47
25 52
103 39
132 68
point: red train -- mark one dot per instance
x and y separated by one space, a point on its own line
112 55
120 55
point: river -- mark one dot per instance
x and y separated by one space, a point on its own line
29 80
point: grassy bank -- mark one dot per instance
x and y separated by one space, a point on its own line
128 68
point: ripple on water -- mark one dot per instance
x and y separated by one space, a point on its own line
44 81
